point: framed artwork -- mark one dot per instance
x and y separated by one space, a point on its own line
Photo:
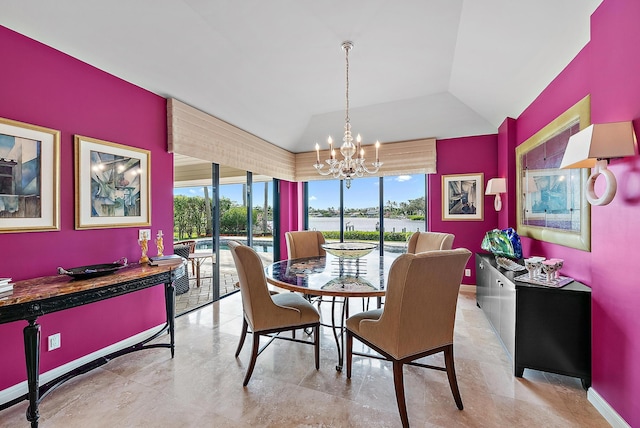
463 197
112 184
551 205
29 177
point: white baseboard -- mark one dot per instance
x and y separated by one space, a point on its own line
22 388
606 410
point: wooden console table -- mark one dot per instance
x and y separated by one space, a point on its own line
39 296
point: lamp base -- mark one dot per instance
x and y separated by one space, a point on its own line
611 185
497 203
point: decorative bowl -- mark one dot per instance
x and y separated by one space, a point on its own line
349 250
92 271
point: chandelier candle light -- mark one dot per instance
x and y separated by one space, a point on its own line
349 167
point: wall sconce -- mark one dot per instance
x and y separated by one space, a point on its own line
495 186
593 147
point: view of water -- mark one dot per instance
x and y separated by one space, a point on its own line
366 224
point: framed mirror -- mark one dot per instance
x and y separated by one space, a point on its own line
551 204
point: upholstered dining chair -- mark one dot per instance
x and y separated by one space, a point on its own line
420 242
417 319
266 313
304 243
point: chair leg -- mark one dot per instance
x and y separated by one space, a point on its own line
316 344
254 357
451 374
349 353
398 381
243 335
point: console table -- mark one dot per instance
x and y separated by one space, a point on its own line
541 328
35 297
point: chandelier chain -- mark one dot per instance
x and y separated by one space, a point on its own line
347 48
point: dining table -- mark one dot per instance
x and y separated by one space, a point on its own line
336 279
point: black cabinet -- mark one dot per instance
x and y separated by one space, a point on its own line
541 328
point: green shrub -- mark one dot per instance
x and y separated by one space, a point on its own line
368 236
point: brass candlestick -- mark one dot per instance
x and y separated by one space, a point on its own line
160 243
144 245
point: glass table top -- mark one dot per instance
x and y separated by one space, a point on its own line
333 276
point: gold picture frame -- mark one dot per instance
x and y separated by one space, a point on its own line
551 204
113 186
463 197
29 177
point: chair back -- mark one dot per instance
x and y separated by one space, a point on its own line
182 250
420 242
420 304
305 243
253 282
191 243
182 284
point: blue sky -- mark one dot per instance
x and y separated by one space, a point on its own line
325 193
364 191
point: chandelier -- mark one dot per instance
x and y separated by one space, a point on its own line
349 167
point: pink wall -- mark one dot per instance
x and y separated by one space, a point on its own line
507 140
609 69
42 86
467 155
290 211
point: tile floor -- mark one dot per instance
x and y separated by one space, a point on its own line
202 385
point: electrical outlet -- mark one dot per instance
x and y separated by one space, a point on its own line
467 272
144 234
54 341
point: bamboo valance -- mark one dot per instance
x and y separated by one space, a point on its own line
199 135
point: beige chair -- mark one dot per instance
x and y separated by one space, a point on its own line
420 242
417 319
305 243
266 313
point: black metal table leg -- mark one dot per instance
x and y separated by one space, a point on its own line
339 331
170 303
31 335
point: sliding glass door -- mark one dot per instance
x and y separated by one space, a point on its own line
226 204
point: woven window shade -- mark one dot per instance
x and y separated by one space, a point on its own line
199 135
405 157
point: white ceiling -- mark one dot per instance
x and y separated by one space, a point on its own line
419 68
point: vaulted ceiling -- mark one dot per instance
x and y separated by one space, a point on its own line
420 68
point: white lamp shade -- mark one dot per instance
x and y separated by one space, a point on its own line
599 141
495 186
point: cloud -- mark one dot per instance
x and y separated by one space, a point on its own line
403 178
312 198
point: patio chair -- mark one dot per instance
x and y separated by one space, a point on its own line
182 284
192 248
418 317
266 313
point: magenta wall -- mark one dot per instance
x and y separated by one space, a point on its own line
507 141
467 155
42 86
291 208
609 69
